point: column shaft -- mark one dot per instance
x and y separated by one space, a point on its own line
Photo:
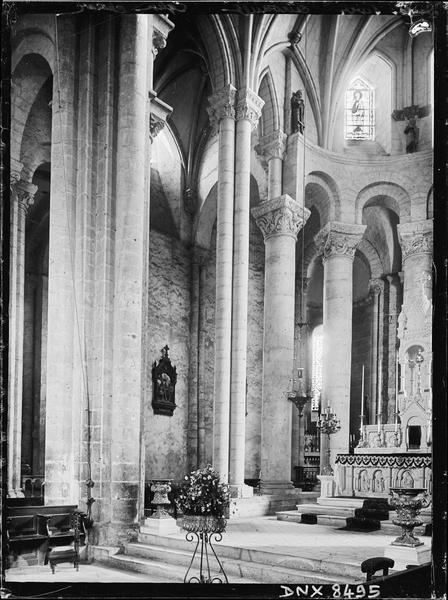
338 242
239 302
130 225
21 197
279 220
223 319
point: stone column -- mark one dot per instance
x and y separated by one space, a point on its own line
393 307
273 148
62 440
22 197
377 287
337 242
279 219
194 408
222 116
248 111
129 275
415 319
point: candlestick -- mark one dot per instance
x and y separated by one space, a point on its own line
362 395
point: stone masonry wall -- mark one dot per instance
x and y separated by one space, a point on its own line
169 313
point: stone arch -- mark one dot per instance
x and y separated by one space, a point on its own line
33 43
372 258
216 40
29 77
206 219
270 118
390 195
329 206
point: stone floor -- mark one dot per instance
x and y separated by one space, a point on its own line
315 542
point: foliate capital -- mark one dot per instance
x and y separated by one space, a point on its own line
376 286
161 29
248 106
25 193
222 105
416 238
273 145
280 216
339 239
160 111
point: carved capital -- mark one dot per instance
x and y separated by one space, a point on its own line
339 239
160 112
273 145
222 106
376 286
25 193
416 238
280 216
248 106
161 29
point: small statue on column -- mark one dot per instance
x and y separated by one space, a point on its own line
297 112
411 133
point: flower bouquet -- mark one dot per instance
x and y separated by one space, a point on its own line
203 501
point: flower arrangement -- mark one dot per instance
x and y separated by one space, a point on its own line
202 495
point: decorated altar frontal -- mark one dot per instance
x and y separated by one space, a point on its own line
373 475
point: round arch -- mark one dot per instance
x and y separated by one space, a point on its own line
392 196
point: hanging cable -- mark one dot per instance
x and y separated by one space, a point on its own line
81 338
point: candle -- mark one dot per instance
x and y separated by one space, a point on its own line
362 395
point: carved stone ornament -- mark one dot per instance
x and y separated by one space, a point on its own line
280 216
339 239
416 238
273 145
377 286
160 111
25 193
248 106
164 378
222 106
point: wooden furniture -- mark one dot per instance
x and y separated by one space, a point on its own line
66 532
52 533
377 563
26 533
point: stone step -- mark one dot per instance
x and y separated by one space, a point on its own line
346 502
246 570
339 521
262 561
319 509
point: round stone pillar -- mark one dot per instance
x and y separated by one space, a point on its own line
415 319
337 243
377 288
22 197
222 116
280 220
248 111
273 148
129 277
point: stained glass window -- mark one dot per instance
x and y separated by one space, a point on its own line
316 368
359 112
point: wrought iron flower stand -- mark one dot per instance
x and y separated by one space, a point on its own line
205 531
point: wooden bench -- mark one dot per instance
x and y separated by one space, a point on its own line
43 529
27 533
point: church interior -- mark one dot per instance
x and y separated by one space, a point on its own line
220 242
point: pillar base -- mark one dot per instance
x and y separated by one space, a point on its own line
160 525
326 486
241 491
407 555
16 493
277 487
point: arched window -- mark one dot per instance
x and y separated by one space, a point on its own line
316 365
359 112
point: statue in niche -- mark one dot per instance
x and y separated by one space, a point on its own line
363 481
378 482
407 480
164 378
411 133
297 112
